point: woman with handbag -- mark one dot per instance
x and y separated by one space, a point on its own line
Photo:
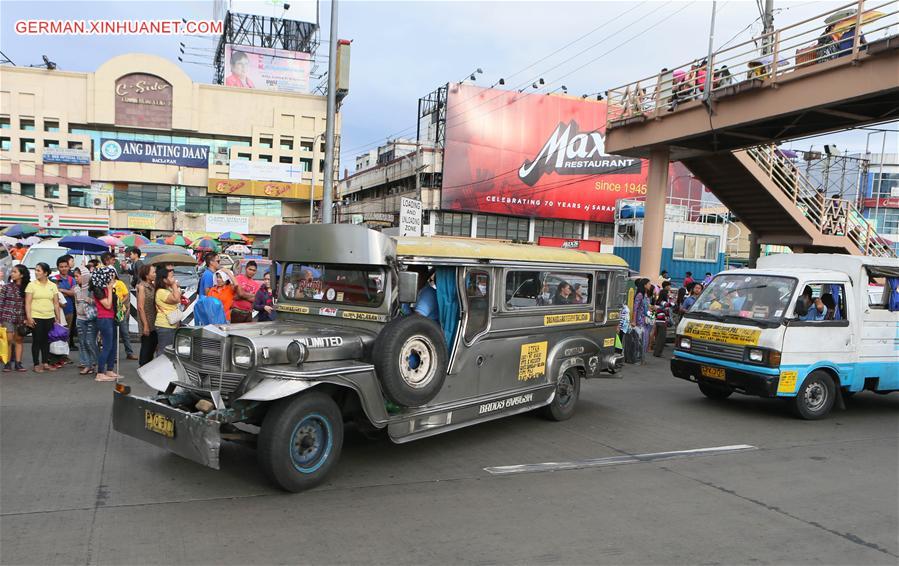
41 312
146 312
12 315
86 324
101 286
168 316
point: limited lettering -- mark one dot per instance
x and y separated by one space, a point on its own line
505 403
321 341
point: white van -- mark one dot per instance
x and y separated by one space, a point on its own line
799 326
48 251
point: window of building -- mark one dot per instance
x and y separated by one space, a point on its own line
26 145
265 142
5 144
568 229
80 196
601 229
502 227
453 224
285 159
526 289
695 247
322 147
305 145
27 125
886 220
265 158
27 190
51 126
51 191
138 196
287 144
321 165
886 185
51 144
4 123
306 164
6 188
243 156
75 145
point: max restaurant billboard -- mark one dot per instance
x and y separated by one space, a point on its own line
533 155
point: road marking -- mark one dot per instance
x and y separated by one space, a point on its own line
617 460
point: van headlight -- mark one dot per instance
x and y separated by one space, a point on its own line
684 343
241 356
297 352
757 356
182 345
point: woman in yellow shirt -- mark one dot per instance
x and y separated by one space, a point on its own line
41 311
168 297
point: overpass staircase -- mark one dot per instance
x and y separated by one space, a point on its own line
779 204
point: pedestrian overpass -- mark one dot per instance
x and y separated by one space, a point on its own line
812 77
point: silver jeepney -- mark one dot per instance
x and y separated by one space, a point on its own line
345 348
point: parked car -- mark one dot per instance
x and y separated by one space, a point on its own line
186 276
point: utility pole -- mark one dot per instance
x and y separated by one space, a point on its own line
768 28
332 113
709 69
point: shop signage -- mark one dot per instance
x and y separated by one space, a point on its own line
63 155
882 202
264 171
142 220
219 223
356 219
410 217
143 100
53 220
262 189
571 244
180 154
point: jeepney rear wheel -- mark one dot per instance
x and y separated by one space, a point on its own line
410 359
300 441
815 397
716 392
568 391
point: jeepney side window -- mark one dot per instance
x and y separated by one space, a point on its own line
602 287
477 295
527 289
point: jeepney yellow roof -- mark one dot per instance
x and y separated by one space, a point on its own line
468 248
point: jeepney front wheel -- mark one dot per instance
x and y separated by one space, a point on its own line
410 359
815 397
300 441
568 390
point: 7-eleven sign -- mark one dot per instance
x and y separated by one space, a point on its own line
48 220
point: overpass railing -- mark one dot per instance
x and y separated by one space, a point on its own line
843 34
831 216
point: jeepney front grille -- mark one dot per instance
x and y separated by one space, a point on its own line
207 352
210 380
717 350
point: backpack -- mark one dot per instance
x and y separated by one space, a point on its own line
633 346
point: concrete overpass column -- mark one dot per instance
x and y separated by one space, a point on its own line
754 249
654 213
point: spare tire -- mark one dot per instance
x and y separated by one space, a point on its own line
410 358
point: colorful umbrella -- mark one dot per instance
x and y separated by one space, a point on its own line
119 233
263 244
135 240
45 235
205 244
178 240
237 249
232 237
21 230
160 240
175 259
111 241
84 244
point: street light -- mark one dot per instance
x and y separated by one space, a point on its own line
501 81
563 88
534 85
473 75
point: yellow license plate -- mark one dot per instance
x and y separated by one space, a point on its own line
160 424
714 373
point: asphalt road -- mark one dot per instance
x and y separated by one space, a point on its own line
73 491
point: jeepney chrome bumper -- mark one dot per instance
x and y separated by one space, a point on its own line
191 436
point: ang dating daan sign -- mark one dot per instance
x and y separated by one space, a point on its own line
181 154
532 155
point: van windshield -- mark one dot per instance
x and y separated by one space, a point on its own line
762 298
329 283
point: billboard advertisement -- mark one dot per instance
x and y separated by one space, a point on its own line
181 154
532 155
263 68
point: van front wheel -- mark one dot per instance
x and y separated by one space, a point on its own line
716 392
815 397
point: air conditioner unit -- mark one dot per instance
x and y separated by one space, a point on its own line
626 231
101 201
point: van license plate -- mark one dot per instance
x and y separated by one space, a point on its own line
714 373
160 424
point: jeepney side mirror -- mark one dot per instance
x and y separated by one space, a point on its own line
408 286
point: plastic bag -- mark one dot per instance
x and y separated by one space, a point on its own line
4 346
58 333
59 348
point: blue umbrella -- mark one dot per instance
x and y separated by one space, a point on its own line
21 230
84 244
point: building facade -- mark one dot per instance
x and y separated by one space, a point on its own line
138 145
881 195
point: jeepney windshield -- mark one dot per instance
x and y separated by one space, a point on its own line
745 298
354 285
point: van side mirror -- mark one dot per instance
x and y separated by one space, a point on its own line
408 286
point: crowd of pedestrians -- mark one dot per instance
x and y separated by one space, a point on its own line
94 304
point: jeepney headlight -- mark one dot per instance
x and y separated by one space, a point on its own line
241 356
684 343
757 356
182 345
297 352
